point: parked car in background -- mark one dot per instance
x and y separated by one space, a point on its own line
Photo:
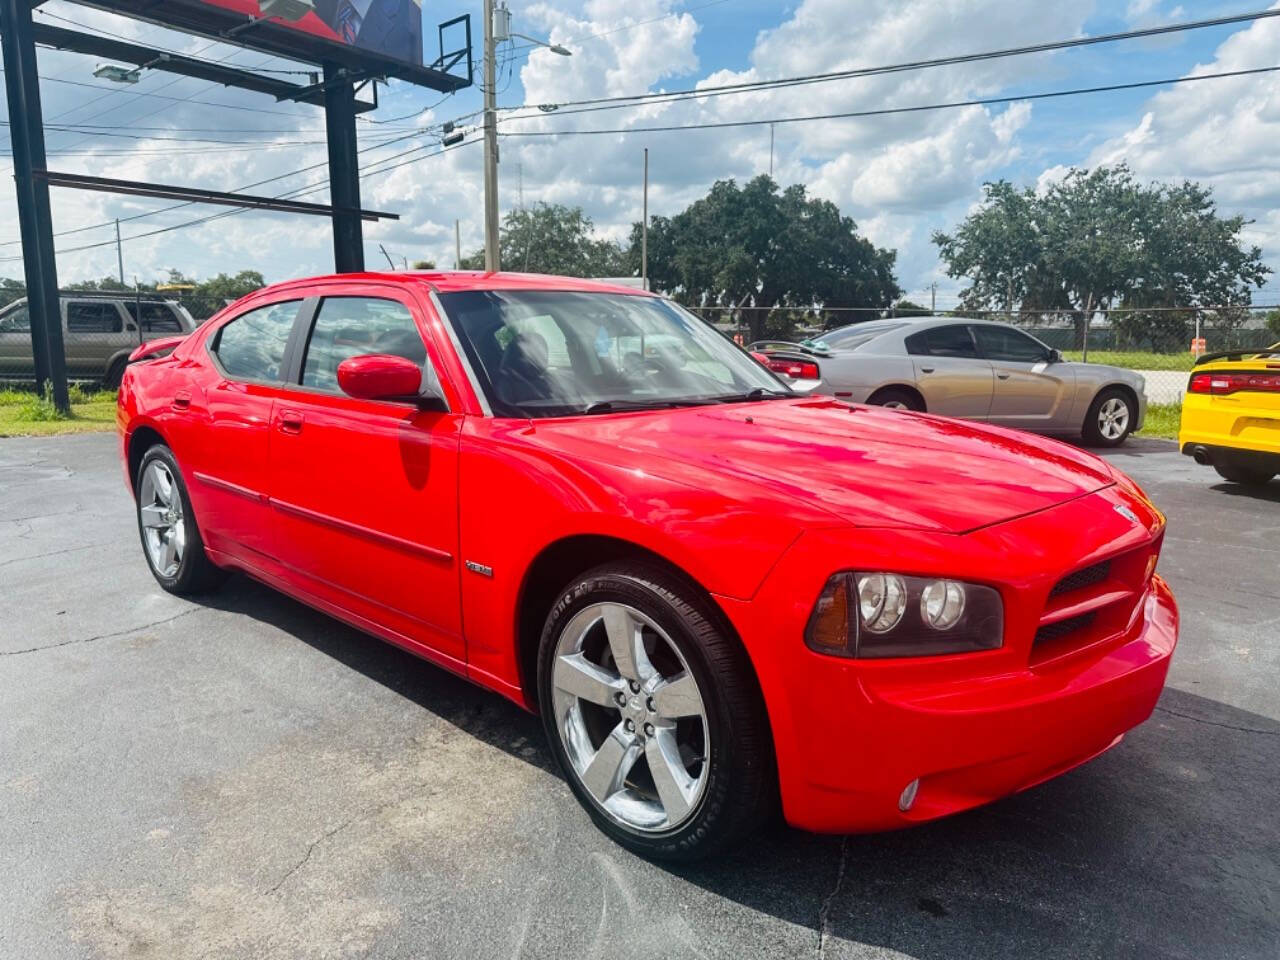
717 593
972 369
1231 415
99 331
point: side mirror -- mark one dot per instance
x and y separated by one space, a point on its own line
381 376
1055 356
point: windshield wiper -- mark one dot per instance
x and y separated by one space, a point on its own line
755 393
618 406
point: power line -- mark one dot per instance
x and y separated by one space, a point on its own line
888 111
297 192
247 186
755 85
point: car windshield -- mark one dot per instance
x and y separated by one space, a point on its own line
545 353
853 336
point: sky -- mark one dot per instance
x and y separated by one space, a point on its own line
901 177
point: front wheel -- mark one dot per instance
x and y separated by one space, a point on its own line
170 539
654 714
1248 476
1111 418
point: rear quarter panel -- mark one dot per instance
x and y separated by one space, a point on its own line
855 376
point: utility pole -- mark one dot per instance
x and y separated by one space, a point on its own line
644 227
491 261
119 252
457 244
933 298
771 151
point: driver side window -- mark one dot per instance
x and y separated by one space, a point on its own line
19 321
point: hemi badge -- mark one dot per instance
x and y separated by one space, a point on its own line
484 571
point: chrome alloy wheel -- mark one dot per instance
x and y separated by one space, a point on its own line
631 718
1113 419
164 528
894 405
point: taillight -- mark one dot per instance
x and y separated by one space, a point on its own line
795 369
1220 384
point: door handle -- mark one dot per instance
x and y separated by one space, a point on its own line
290 421
926 369
182 400
1003 376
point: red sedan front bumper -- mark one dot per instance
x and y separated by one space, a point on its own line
851 735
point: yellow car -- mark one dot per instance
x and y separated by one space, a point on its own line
1231 414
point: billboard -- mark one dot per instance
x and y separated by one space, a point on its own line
379 37
390 29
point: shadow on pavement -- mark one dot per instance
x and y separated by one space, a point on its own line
1167 846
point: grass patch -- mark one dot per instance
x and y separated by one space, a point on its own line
25 413
1136 360
1162 421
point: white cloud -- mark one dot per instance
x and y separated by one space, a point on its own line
1220 132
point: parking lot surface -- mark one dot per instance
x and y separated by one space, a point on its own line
247 778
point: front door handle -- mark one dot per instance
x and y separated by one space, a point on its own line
926 369
290 421
1003 376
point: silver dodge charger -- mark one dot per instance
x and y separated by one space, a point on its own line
972 369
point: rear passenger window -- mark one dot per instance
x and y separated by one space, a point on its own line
350 326
251 347
90 317
156 317
950 341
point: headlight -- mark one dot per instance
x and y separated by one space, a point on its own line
878 615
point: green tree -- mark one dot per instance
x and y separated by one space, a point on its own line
553 238
1273 322
905 308
1097 239
763 251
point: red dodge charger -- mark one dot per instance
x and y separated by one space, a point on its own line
719 595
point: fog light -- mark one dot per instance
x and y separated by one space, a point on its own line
909 795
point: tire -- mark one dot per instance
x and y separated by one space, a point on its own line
1248 476
170 538
1110 418
115 373
715 761
897 398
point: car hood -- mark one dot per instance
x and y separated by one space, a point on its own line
863 465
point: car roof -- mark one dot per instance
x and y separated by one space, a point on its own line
456 281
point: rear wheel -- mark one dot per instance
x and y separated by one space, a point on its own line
170 539
1111 418
896 398
1249 476
653 714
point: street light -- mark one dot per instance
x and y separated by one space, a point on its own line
119 74
497 28
553 47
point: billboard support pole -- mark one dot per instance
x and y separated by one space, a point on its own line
22 86
344 169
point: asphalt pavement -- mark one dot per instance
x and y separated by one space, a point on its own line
248 778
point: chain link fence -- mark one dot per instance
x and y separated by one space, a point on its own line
1157 342
99 331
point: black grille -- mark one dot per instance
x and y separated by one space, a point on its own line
1053 631
1086 577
